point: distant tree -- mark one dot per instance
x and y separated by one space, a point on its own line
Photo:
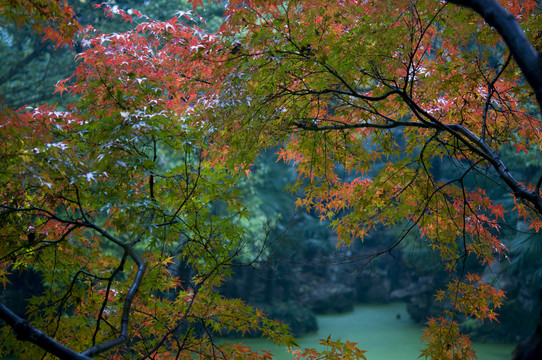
55 23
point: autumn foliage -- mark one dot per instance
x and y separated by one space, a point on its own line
139 174
54 19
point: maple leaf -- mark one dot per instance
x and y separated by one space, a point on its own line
60 87
498 211
535 224
196 3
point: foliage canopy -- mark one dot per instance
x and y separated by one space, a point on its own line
141 170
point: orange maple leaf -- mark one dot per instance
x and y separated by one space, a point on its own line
60 87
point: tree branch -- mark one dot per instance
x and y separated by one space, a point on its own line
26 332
506 25
141 267
519 190
128 248
391 125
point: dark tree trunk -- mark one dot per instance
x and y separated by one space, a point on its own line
531 348
249 284
269 286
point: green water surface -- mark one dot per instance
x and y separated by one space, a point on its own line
385 331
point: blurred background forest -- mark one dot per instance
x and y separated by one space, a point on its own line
292 268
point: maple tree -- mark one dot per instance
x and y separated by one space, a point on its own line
365 97
101 198
30 66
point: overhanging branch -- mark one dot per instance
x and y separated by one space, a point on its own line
26 332
513 35
391 125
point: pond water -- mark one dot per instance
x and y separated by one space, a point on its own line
379 330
